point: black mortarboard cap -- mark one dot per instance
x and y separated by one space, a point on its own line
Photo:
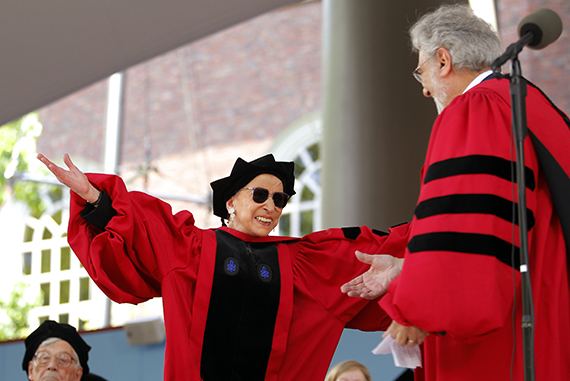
50 328
243 172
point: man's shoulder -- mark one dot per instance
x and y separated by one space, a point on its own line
500 85
493 83
492 91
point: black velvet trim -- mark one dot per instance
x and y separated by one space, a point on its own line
559 186
242 311
101 215
352 232
497 75
380 233
476 164
472 203
469 243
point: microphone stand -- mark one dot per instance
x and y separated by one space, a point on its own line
547 24
518 88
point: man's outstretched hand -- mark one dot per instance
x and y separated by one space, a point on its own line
374 282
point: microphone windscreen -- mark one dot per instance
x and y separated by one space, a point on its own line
545 25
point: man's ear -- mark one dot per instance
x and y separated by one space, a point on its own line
444 60
30 368
78 374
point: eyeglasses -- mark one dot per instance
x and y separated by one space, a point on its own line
62 359
416 73
259 195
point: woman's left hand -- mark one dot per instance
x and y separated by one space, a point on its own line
374 282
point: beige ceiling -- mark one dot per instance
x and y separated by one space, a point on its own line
51 48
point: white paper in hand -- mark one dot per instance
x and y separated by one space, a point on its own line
404 356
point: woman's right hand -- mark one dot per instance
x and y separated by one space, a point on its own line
73 178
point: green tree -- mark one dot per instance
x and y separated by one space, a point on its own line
17 310
17 157
17 160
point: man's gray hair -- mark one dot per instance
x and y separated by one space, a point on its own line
470 40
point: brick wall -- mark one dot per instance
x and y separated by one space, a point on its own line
548 68
245 83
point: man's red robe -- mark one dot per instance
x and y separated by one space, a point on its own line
461 277
281 321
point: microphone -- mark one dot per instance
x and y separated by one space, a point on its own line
545 26
537 31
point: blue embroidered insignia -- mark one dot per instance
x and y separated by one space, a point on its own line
264 272
231 266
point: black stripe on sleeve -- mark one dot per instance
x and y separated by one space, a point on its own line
351 232
472 203
469 243
476 164
380 233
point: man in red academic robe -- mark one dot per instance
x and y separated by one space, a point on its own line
461 280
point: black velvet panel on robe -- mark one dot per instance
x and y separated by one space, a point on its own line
242 312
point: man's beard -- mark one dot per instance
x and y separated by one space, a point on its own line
439 93
438 104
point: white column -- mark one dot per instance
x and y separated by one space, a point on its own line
113 144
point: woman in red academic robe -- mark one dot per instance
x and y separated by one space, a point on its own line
238 304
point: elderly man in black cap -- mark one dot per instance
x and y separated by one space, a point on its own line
55 352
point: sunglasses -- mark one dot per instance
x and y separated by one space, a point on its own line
259 195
